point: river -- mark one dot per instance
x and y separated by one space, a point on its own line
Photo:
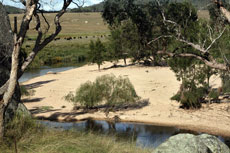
144 135
42 71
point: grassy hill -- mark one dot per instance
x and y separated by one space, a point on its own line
13 10
73 24
92 8
99 7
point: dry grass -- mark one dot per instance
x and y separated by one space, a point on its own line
80 24
74 24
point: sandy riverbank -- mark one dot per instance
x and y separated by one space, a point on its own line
153 83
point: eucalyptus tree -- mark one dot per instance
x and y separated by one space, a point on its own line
33 12
119 13
195 44
97 53
174 31
203 45
124 42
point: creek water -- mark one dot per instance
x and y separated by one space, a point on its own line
42 71
144 135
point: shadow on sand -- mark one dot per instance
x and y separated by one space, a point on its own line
38 84
71 116
34 100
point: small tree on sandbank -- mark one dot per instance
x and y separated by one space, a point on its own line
96 53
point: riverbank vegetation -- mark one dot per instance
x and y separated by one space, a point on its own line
24 134
66 53
107 91
53 141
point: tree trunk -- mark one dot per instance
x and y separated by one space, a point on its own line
1 121
99 68
125 61
15 146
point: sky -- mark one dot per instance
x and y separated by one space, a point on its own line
56 4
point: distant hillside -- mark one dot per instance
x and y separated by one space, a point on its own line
199 4
92 8
13 10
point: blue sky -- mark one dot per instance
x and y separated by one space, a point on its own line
58 4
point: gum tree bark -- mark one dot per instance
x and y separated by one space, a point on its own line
6 48
7 90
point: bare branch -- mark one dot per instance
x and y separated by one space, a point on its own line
215 40
79 3
40 45
210 33
42 13
178 35
195 46
32 6
211 63
156 39
163 15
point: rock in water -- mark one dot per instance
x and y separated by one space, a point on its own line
6 48
188 143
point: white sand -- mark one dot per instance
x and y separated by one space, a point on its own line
153 83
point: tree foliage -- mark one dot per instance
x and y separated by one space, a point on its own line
124 42
193 47
97 52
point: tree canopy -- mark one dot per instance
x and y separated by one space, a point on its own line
172 33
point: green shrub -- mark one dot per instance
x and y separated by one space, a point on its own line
87 95
26 92
190 96
116 91
225 78
214 95
176 97
106 90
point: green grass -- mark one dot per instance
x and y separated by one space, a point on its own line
57 141
61 54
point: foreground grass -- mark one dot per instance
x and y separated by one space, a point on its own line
56 141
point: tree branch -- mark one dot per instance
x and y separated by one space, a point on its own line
211 63
31 7
8 88
13 73
215 40
40 45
